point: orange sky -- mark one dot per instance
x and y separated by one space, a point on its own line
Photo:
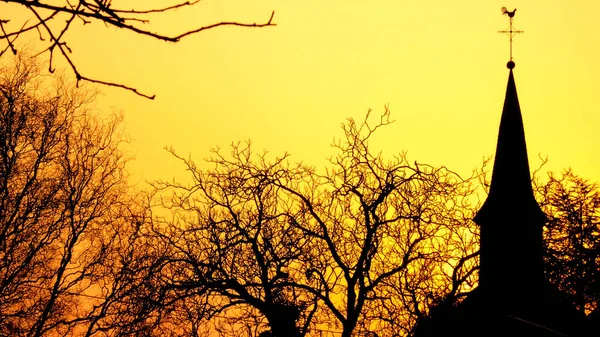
440 65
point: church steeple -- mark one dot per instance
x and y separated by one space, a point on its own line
511 167
511 220
513 298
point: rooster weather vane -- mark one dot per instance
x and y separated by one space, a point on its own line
511 33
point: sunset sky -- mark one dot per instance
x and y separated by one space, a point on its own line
440 65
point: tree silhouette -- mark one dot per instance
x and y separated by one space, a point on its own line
389 232
53 19
572 237
128 296
253 244
62 182
347 247
235 246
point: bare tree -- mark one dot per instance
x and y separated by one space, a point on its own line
236 251
52 19
385 230
361 247
62 182
125 297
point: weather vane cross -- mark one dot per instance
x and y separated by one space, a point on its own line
511 33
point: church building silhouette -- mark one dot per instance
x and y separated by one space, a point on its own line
513 297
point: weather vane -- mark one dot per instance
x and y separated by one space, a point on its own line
511 32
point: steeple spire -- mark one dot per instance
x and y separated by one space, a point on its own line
511 175
510 219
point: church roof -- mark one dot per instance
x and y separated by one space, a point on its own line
511 182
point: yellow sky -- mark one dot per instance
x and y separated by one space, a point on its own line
440 65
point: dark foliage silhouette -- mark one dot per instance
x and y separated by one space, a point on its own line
572 237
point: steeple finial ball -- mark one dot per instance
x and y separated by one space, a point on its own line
510 65
510 14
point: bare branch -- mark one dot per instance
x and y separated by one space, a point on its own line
100 11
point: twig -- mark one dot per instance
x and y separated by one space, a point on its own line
157 10
269 23
10 43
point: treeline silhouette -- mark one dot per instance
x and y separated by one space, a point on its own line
254 245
